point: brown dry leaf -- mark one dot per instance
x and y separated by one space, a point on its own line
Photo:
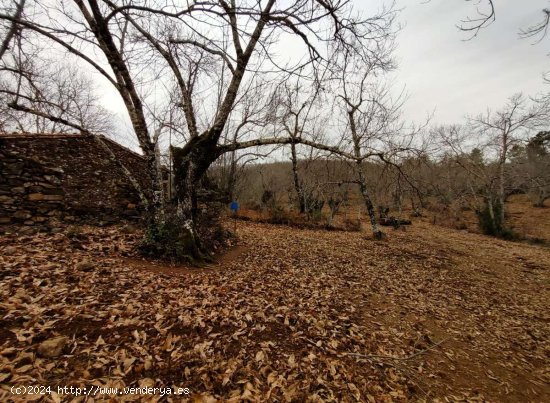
260 356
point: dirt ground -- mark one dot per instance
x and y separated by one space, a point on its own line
430 314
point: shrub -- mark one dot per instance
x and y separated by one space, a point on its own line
509 234
314 207
350 224
493 225
278 215
316 214
490 225
253 205
460 225
268 198
538 241
211 232
167 241
172 241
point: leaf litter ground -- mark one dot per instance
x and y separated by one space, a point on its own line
430 314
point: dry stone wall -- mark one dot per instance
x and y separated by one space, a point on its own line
49 181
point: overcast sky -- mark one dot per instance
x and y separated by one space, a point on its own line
443 71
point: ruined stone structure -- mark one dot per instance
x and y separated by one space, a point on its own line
47 181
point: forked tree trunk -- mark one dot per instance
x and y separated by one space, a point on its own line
185 181
190 164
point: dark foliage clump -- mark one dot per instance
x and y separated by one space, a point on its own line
278 215
172 240
268 198
314 208
351 225
212 234
492 224
168 241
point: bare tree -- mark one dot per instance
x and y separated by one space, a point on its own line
463 171
536 168
42 24
11 28
64 93
214 43
483 148
372 124
299 115
254 110
507 127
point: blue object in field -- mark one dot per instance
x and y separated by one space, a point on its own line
234 206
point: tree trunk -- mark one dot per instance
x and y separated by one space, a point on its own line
490 207
368 202
542 197
190 164
361 174
502 167
501 193
185 184
157 192
232 177
296 179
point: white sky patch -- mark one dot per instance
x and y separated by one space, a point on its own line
440 69
445 72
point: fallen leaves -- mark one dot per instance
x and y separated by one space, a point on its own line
281 322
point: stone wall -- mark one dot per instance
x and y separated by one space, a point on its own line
48 181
